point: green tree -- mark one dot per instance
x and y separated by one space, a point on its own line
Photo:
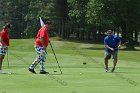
77 14
114 14
62 17
38 8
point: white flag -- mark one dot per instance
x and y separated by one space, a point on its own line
41 21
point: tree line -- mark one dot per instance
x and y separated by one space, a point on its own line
77 19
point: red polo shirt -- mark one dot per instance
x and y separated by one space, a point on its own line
43 32
5 36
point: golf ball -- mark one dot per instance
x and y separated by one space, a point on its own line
10 73
80 73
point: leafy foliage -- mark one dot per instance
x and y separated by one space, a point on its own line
81 19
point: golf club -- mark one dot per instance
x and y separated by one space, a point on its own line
8 59
55 57
122 45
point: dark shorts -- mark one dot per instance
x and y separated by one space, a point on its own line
114 54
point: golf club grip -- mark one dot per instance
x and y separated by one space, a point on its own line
55 57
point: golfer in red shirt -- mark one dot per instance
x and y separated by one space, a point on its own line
40 47
4 43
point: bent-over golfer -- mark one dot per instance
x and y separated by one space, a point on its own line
4 43
112 43
41 44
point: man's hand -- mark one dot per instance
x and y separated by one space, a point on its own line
6 48
111 49
44 48
119 46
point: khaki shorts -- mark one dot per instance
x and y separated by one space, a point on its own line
114 54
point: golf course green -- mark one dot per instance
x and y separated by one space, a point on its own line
82 66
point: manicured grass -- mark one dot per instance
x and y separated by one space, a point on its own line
76 77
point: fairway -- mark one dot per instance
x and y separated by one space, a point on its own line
77 77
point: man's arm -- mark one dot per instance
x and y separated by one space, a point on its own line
42 42
109 47
105 43
2 42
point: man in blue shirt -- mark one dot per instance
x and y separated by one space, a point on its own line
112 43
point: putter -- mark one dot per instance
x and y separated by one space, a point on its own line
55 57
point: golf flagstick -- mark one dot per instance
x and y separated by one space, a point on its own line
41 21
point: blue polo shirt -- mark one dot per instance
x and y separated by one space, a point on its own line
112 42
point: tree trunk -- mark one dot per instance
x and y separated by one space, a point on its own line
94 35
130 44
124 35
136 37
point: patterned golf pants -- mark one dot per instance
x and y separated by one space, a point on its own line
41 57
3 50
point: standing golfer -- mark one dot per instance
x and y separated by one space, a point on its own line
4 43
41 44
112 43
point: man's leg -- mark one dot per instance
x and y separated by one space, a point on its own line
43 58
37 60
115 57
42 68
106 64
115 62
107 57
35 63
1 60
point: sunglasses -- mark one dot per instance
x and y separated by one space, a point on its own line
109 33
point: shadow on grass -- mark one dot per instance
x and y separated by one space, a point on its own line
128 67
126 49
117 72
9 73
101 48
94 48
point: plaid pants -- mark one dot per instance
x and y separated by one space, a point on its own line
3 50
41 57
